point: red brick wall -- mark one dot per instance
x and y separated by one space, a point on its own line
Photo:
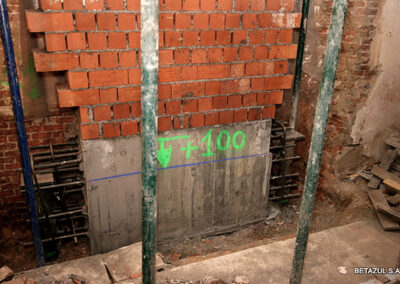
221 61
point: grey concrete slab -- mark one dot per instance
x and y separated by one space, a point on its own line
91 269
355 245
123 262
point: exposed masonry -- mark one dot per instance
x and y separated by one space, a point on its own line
221 61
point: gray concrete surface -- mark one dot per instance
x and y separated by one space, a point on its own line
192 200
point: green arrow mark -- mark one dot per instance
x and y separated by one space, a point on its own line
164 154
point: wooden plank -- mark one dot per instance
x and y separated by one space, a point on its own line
388 211
393 141
385 163
384 174
395 186
394 200
377 199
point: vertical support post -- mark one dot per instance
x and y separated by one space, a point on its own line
299 64
318 135
149 51
21 133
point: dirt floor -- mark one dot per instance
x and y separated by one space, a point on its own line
327 214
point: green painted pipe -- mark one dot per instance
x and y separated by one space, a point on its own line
149 54
318 135
299 63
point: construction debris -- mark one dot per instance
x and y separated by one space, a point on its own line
381 205
5 273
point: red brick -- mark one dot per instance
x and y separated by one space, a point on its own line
173 107
126 21
226 117
166 57
197 120
211 118
190 105
130 94
207 5
48 22
101 113
235 86
134 39
164 92
133 5
136 109
191 5
115 5
215 55
286 20
200 21
276 98
129 128
173 38
73 4
276 83
286 36
85 22
173 5
161 41
256 37
111 130
182 21
89 131
182 56
258 5
121 111
89 60
245 53
164 123
268 112
283 51
166 21
108 59
189 73
161 108
213 88
263 98
169 74
76 41
84 114
219 102
234 101
108 95
223 37
106 21
242 5
257 84
190 38
259 68
45 62
217 21
230 54
55 42
188 90
213 71
237 70
77 80
205 104
281 67
265 20
135 76
94 4
261 53
127 59
97 40
232 21
70 98
117 40
207 38
50 5
273 5
254 114
239 37
199 55
108 78
225 5
271 36
250 99
287 5
249 20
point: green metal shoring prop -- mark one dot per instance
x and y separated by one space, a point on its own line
318 136
149 51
